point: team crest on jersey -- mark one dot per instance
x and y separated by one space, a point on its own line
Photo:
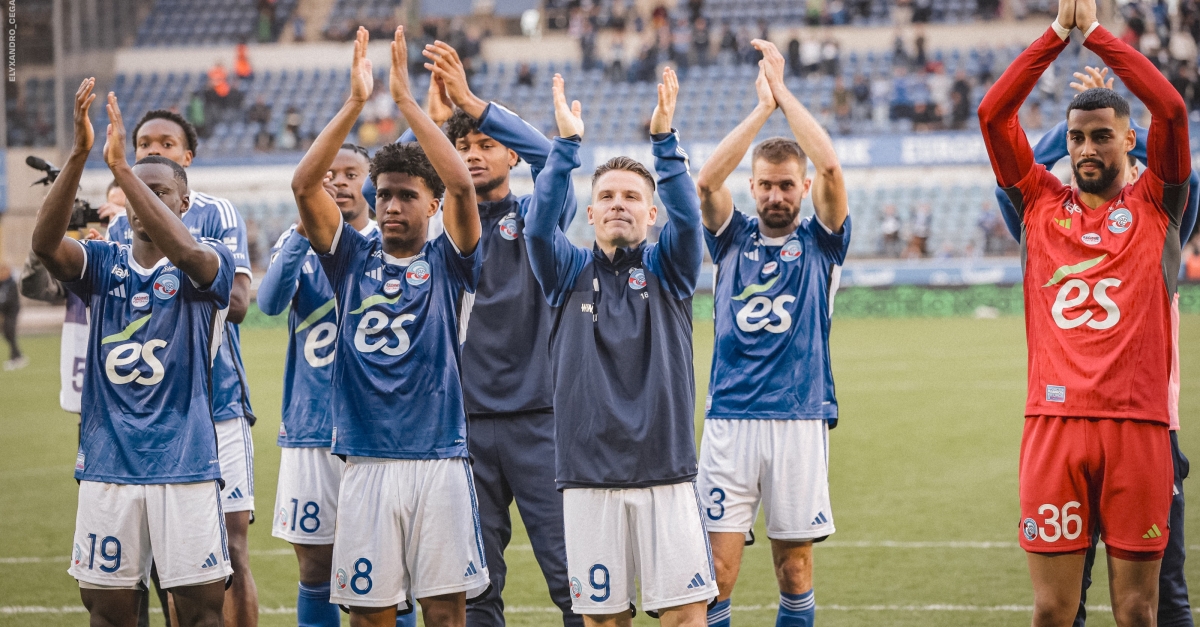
283 517
576 587
637 279
508 227
1120 220
1091 239
341 579
417 273
791 251
166 286
769 268
392 287
1030 529
141 299
77 554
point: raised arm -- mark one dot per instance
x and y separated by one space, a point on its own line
318 212
556 262
1168 154
716 201
460 212
680 251
63 256
828 186
279 283
1007 146
198 261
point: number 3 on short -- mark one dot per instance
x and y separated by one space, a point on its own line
599 585
1069 528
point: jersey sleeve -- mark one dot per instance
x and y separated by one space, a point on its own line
279 283
680 251
118 230
555 261
98 259
217 291
348 244
1026 192
729 235
231 231
464 268
832 245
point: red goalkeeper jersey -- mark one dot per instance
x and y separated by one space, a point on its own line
1099 283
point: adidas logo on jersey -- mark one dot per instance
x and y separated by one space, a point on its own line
118 291
697 582
820 519
236 494
752 255
470 569
210 562
1152 534
376 274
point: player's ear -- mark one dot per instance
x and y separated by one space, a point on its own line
187 158
433 207
513 159
185 200
806 188
1130 140
591 220
652 216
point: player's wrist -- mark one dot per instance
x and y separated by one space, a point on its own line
1091 28
1062 31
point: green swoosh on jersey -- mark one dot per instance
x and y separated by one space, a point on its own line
375 300
751 290
1067 271
128 332
317 314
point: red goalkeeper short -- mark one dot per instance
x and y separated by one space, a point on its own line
1078 474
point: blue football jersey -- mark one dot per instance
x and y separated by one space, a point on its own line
773 312
145 414
296 277
396 366
215 218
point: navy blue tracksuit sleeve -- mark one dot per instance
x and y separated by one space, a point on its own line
556 262
677 257
516 134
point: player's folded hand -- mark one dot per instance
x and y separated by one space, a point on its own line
401 90
85 135
114 145
664 111
570 119
362 80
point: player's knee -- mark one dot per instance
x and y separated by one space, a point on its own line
794 574
316 564
449 610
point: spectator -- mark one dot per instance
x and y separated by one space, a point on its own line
843 106
701 42
940 85
994 231
727 52
10 307
297 28
960 100
241 64
889 230
918 241
289 139
524 74
927 117
810 56
195 115
862 97
260 112
901 105
793 56
831 54
217 96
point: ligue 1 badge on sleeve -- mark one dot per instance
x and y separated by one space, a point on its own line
508 227
418 273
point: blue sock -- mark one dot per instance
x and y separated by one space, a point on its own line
313 608
796 610
407 620
719 612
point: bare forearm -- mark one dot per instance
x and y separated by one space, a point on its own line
473 106
441 153
55 215
813 139
731 150
165 229
319 213
239 299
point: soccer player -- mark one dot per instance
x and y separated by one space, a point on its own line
624 392
147 463
1096 449
406 522
309 476
167 134
505 372
1174 609
771 395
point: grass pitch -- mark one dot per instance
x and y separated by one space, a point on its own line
924 484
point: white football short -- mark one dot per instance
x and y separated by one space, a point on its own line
406 529
235 449
781 464
306 496
654 535
121 529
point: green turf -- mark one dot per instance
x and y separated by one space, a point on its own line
926 451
